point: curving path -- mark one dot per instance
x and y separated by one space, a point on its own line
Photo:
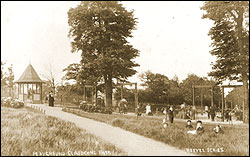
131 143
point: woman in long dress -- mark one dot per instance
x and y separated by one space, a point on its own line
51 99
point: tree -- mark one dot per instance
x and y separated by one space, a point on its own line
230 37
235 97
186 87
7 79
10 78
175 94
3 75
99 30
50 78
157 85
69 93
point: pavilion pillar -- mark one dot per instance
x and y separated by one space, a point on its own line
41 93
193 95
23 92
32 91
17 90
202 100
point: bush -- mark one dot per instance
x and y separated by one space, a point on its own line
10 102
118 122
96 109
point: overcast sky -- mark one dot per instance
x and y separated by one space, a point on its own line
171 37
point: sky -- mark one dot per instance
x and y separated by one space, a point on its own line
171 36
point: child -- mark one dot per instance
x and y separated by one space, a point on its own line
189 125
218 129
164 122
199 129
138 111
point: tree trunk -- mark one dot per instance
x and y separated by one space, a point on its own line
108 90
239 30
246 100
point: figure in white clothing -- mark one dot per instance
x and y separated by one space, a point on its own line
148 109
164 122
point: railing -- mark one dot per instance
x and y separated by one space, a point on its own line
36 108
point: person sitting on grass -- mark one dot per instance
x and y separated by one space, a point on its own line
164 122
199 129
218 129
189 125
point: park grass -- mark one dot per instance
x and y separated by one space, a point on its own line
26 132
234 141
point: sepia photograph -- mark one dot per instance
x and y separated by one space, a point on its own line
124 78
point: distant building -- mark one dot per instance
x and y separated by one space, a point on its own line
30 86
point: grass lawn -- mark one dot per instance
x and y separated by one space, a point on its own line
234 141
28 132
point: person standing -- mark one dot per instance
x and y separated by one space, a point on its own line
193 112
138 111
183 110
51 99
171 114
188 113
52 96
46 99
148 109
212 113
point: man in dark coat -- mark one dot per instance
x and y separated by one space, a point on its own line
212 113
171 114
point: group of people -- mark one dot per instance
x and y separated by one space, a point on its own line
199 129
50 99
211 112
188 112
168 112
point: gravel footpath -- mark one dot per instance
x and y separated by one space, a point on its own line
131 143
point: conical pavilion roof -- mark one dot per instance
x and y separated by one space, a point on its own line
29 75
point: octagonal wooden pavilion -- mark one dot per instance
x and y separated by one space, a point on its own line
30 86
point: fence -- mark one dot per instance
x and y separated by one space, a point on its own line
36 108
